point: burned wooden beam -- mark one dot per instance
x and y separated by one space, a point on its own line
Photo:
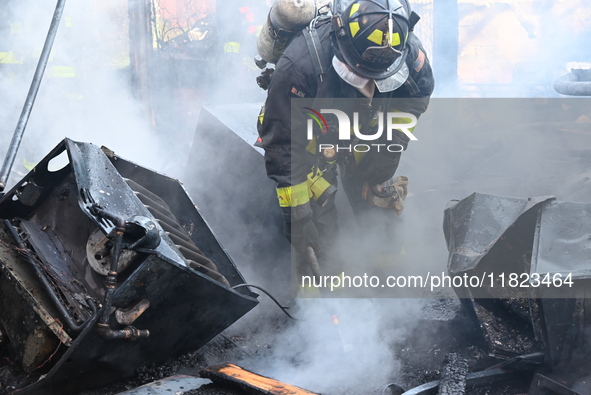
252 383
453 377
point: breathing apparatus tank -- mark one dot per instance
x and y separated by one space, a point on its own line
285 19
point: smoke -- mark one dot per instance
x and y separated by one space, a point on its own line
498 147
507 49
519 147
85 94
338 346
139 94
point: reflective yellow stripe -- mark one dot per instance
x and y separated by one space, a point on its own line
395 39
354 9
317 184
311 147
8 57
400 121
293 196
354 27
376 36
232 46
261 117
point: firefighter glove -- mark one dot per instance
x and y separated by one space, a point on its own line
379 167
301 233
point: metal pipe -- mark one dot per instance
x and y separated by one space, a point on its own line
575 83
129 332
103 328
47 286
30 100
111 280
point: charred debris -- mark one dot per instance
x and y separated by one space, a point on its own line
106 265
110 274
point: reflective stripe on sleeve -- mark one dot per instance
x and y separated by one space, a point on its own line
293 196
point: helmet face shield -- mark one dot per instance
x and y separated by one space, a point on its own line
395 81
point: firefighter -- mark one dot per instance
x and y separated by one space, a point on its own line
366 52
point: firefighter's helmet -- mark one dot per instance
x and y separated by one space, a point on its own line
371 37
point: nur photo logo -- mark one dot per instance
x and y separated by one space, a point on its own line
387 122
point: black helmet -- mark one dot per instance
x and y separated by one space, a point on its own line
371 37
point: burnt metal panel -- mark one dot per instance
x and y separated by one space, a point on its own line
563 240
12 205
99 183
236 198
187 213
493 235
186 278
186 311
537 238
473 225
177 384
562 248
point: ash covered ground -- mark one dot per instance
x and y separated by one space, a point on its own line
413 350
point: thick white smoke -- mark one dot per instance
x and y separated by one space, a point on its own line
96 104
338 346
85 94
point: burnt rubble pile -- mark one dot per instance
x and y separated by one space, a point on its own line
108 271
533 305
